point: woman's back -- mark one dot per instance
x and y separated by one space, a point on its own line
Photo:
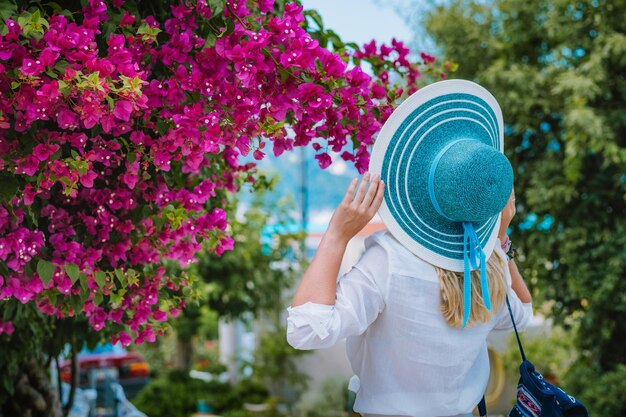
410 359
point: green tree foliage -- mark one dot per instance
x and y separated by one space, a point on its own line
248 280
252 277
176 394
557 69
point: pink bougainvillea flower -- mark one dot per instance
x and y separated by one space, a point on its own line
266 6
163 160
123 338
159 315
87 178
43 151
324 160
145 336
123 109
128 19
67 119
6 327
28 165
129 151
29 194
31 67
428 59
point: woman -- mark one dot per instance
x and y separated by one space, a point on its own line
417 308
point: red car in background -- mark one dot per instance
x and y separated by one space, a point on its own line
112 363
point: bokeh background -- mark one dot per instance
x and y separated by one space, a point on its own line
558 70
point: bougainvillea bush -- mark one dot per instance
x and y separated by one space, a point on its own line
125 126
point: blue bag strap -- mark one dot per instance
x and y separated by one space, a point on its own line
519 341
482 407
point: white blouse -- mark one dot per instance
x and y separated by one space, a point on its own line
408 361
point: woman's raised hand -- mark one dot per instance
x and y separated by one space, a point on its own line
507 215
319 283
357 209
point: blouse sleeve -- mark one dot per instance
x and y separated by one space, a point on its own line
358 302
522 312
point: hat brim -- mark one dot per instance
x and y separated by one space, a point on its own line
435 115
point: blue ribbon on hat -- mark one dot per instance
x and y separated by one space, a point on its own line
473 255
473 258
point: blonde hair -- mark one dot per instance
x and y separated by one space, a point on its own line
452 292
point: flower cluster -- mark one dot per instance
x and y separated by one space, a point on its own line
6 327
121 136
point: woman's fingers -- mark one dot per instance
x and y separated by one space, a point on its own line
371 192
360 192
350 192
358 207
378 198
511 204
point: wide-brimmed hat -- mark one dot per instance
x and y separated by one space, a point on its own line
447 180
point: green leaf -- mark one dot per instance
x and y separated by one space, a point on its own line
229 28
35 16
81 166
253 24
23 20
315 16
110 101
84 285
56 7
162 126
97 299
64 88
73 271
45 269
119 274
217 6
211 38
33 215
133 280
94 78
8 385
108 28
117 298
56 155
8 187
60 66
101 278
143 29
8 9
76 304
284 74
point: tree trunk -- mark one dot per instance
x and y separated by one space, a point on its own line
75 370
184 354
229 348
34 395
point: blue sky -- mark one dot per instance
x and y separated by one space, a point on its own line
361 21
357 21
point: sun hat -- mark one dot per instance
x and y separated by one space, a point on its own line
440 154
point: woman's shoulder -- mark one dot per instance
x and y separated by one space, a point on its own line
399 257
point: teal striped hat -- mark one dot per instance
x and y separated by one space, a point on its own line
441 157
